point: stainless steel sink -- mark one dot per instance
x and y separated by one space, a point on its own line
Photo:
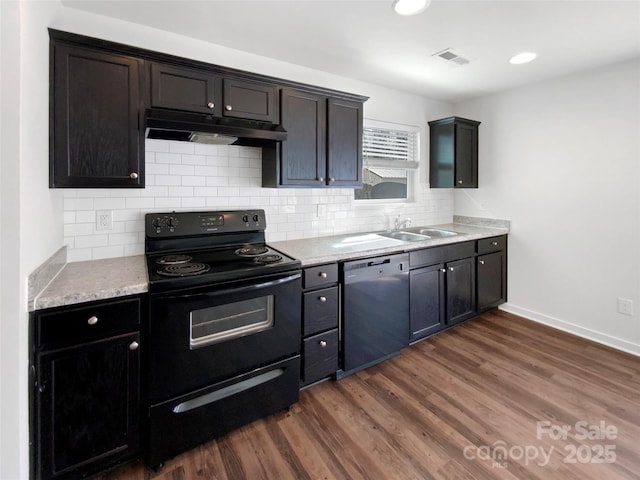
432 232
404 236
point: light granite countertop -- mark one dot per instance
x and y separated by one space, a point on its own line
315 251
57 283
91 280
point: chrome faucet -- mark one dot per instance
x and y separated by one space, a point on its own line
402 224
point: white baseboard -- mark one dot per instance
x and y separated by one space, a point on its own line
589 334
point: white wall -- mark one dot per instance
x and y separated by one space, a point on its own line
33 216
561 160
13 427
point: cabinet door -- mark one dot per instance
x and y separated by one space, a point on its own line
95 118
492 280
185 89
254 101
320 356
427 301
461 290
344 157
466 155
87 406
303 154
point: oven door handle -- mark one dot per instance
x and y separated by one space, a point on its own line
242 289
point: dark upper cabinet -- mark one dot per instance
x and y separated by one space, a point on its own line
94 118
453 153
250 100
197 90
101 91
301 159
185 89
323 146
344 137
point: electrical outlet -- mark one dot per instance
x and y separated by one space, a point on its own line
625 306
104 220
322 210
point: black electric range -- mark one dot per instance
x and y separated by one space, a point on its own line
193 249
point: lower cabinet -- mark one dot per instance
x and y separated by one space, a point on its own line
456 282
320 323
441 295
427 301
492 280
461 290
85 399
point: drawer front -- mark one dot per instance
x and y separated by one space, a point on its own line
87 323
320 275
446 253
320 356
492 244
320 310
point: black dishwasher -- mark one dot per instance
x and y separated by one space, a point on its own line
375 316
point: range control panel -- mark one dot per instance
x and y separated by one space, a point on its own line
178 224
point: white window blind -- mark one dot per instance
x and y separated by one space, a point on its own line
390 148
390 154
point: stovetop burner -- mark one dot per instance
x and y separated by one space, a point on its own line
252 251
203 249
173 259
268 258
183 269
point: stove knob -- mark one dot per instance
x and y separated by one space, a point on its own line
245 218
256 218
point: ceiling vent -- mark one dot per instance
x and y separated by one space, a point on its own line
451 56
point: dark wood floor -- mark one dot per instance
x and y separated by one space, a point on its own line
491 398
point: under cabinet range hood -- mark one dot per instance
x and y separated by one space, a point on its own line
202 128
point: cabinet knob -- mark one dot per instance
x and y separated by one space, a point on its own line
322 343
133 175
443 270
321 179
211 105
92 320
322 299
331 179
459 182
481 262
495 244
323 274
228 108
134 345
451 269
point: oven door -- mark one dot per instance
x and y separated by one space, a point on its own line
200 337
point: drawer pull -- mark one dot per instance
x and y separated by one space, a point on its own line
211 105
323 343
134 345
92 320
495 244
323 274
322 299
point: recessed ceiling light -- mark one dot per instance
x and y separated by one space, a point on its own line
524 57
410 7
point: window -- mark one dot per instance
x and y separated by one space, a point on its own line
390 157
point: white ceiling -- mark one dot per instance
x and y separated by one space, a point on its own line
366 40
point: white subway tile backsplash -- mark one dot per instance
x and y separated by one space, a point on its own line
182 147
186 176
